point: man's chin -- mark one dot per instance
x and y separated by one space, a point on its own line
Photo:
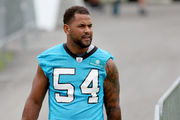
85 45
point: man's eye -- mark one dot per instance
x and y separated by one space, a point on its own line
81 25
90 26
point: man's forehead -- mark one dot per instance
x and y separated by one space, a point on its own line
82 17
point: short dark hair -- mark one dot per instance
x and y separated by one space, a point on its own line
70 12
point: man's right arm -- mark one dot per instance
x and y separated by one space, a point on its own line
36 97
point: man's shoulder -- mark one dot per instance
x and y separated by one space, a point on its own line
104 53
53 50
51 53
100 58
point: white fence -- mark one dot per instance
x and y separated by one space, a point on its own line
168 106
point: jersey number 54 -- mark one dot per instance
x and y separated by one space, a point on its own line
91 79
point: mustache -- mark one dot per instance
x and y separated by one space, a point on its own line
86 36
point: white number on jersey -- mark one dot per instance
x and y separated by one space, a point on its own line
91 79
68 87
89 85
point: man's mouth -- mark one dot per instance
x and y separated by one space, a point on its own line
87 37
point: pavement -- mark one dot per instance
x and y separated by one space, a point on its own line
146 51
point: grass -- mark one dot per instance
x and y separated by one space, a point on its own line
8 56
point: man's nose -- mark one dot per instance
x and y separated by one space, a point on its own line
87 29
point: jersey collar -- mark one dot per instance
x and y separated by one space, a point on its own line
84 56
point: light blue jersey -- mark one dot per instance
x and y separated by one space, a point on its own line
75 83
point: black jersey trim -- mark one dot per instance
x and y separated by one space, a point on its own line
75 55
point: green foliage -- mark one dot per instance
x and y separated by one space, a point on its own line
5 58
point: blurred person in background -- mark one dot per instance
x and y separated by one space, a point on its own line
94 4
142 7
100 4
116 5
79 76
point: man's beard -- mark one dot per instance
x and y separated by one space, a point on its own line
80 43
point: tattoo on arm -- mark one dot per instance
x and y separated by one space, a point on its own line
111 92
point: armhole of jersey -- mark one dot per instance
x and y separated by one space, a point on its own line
110 57
41 65
43 70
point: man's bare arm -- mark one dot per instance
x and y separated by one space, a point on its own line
111 92
36 97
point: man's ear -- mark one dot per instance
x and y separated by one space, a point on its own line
66 28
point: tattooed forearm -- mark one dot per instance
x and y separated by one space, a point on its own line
111 92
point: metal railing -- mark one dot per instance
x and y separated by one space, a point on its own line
168 106
16 18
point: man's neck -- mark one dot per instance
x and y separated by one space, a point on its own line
76 49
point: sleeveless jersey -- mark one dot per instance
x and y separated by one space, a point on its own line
75 83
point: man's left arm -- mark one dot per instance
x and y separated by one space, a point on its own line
111 92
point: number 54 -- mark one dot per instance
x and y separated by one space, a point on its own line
92 78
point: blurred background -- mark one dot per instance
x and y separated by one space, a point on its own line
142 35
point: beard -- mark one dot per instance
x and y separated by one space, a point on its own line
81 42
